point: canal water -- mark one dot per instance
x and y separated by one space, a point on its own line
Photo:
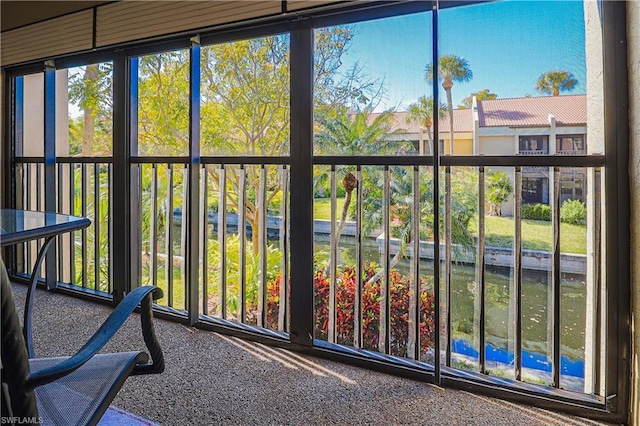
536 333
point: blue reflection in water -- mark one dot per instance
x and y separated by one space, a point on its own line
533 360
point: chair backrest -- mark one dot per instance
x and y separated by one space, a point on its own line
17 398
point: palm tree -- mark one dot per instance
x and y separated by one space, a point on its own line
422 112
482 95
463 207
451 68
353 134
552 82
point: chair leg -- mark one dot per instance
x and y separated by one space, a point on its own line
28 304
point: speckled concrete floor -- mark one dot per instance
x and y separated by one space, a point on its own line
211 379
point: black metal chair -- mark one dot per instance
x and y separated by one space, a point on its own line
74 390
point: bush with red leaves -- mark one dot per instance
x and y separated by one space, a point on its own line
400 288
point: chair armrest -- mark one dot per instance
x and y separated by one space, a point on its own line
141 295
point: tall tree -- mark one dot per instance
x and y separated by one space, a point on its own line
90 89
245 103
354 134
482 95
163 104
553 82
451 68
422 112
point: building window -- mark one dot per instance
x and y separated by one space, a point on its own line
534 145
572 185
571 144
535 190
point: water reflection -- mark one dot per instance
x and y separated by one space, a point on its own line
499 314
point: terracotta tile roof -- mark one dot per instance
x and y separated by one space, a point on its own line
525 112
462 122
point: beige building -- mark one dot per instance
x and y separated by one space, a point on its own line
549 125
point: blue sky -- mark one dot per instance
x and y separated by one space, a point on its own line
508 45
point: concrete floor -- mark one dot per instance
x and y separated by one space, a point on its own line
212 379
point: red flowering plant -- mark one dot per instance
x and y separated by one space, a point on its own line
400 288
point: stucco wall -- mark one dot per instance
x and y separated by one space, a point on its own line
497 145
462 141
34 115
463 147
633 39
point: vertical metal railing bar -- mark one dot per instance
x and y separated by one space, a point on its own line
222 239
44 192
555 280
110 227
597 277
27 186
85 243
204 239
447 256
517 274
385 322
262 207
333 258
168 243
20 204
357 317
284 248
186 218
242 232
61 257
39 202
153 237
38 187
27 203
96 225
139 178
72 211
414 308
39 195
481 268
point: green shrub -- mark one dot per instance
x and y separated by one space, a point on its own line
536 212
323 189
499 188
573 212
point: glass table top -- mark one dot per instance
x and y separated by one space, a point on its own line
18 226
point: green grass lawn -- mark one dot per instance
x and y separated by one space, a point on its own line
322 208
536 235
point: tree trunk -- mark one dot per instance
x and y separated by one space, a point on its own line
393 262
450 107
343 216
340 227
254 220
88 125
